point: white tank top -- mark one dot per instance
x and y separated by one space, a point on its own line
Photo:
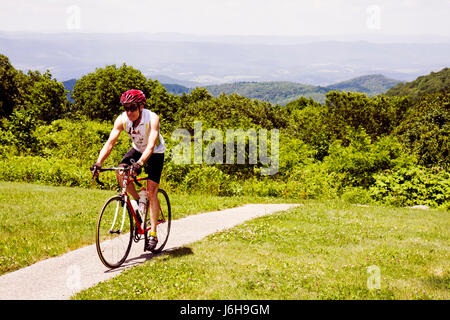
139 135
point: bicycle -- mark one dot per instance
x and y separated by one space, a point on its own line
112 238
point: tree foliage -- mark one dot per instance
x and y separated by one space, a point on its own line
378 116
97 95
44 97
308 122
425 130
9 87
392 149
41 95
232 111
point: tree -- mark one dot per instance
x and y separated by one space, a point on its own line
34 92
425 131
97 95
309 124
9 91
378 116
45 96
198 94
301 103
229 111
163 104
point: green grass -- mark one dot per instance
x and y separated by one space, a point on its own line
316 251
38 221
321 250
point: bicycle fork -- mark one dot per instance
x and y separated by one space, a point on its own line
124 212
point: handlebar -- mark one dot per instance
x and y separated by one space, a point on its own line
124 168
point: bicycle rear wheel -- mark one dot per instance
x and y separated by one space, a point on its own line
114 232
164 221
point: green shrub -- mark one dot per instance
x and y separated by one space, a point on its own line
264 187
312 181
207 179
7 143
21 125
82 139
174 172
356 164
357 195
51 171
293 153
413 186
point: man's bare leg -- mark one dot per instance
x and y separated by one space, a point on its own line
152 192
131 189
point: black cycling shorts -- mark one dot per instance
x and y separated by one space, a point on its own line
153 167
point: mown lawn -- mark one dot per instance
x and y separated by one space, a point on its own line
38 221
321 250
317 251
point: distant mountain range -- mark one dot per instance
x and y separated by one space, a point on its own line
282 92
202 60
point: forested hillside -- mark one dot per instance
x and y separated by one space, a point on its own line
434 82
372 85
274 92
284 92
383 149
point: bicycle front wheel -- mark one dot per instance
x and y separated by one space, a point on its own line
114 232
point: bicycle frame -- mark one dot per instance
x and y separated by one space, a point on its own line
127 178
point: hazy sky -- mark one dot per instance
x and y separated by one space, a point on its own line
229 17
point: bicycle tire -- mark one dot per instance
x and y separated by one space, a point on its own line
114 232
163 229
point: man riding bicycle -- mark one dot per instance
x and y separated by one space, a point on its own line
142 125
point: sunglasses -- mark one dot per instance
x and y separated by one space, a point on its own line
132 107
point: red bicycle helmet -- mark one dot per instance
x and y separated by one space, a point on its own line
133 95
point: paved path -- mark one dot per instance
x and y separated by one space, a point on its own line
60 277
